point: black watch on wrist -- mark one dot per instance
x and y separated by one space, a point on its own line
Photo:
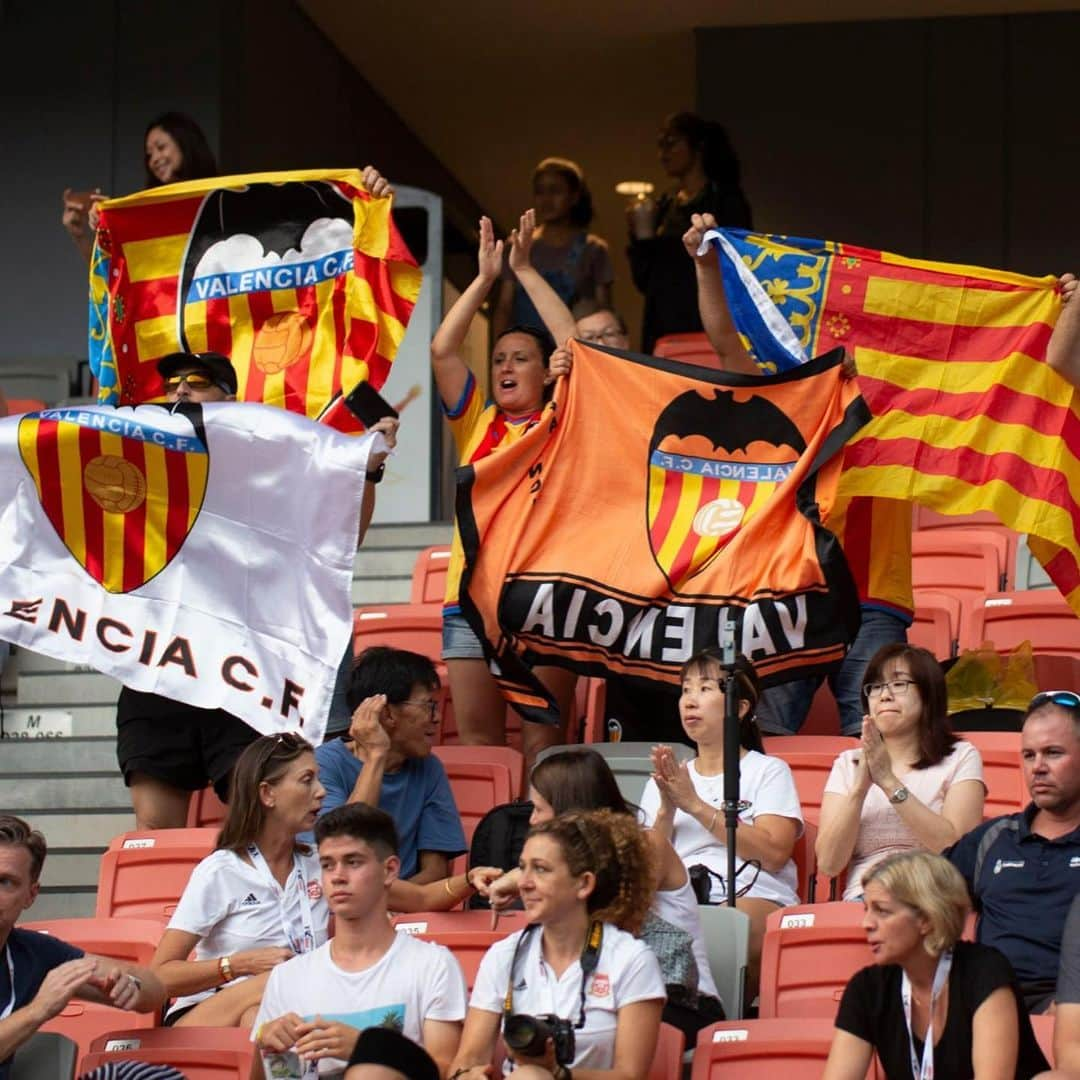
374 476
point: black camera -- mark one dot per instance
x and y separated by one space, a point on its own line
528 1036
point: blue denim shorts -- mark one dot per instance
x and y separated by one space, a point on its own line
458 640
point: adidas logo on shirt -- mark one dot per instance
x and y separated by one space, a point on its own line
251 900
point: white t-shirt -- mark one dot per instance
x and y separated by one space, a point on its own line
413 981
881 830
680 908
767 785
626 971
233 906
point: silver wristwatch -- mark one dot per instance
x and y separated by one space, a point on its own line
899 795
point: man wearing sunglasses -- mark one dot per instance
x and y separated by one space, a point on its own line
1023 870
385 759
197 377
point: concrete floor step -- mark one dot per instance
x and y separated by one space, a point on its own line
375 590
71 869
63 903
387 562
414 536
103 790
76 755
89 829
50 688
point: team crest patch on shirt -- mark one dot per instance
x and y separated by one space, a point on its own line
601 986
314 890
1008 864
1074 862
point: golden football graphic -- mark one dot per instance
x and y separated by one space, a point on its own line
281 341
114 483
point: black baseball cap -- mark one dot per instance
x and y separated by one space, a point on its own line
215 364
385 1046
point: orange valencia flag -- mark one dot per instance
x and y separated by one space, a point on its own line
652 505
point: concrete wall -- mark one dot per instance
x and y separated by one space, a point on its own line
950 139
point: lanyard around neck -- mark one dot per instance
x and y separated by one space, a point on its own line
300 935
11 975
925 1070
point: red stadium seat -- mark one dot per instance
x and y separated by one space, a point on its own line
810 953
199 1053
499 755
1043 1026
936 552
85 1021
810 770
937 623
147 881
468 946
436 922
823 717
809 744
1040 616
689 348
591 700
203 836
479 786
765 1049
1056 671
18 406
667 1061
416 627
429 575
131 940
1002 771
205 809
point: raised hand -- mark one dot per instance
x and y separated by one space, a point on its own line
377 185
1067 283
490 254
368 735
521 241
700 224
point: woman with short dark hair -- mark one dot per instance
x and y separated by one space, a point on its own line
910 783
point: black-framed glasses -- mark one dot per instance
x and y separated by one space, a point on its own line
432 706
1067 699
897 687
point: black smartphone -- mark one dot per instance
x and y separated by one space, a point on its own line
368 405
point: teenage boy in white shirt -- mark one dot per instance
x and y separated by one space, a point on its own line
367 975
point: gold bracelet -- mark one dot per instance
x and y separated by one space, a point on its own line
716 814
446 885
225 969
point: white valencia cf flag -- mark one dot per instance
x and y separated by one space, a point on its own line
203 553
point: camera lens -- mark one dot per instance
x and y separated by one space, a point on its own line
527 1035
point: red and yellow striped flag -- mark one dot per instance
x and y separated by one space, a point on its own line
951 361
301 278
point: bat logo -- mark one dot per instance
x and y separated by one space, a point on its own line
263 260
713 463
121 487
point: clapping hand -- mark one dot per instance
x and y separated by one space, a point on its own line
521 241
490 253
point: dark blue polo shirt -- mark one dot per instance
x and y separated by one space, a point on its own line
1025 887
33 956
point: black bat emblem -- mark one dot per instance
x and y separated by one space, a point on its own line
731 425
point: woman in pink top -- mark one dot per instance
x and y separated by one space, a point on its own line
910 784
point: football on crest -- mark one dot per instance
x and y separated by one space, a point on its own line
114 483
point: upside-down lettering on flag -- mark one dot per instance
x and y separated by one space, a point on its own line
967 414
203 553
301 278
653 504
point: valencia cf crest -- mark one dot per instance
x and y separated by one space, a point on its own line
121 487
707 479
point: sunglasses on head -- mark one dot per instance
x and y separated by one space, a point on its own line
1067 699
195 379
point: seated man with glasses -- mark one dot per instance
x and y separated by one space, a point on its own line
1023 870
385 759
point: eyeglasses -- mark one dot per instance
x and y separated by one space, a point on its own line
610 336
1067 699
195 379
431 706
897 687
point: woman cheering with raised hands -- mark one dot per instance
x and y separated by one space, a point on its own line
586 882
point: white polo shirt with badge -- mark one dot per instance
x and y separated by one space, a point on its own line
626 971
234 905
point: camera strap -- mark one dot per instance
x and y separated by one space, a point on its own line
590 958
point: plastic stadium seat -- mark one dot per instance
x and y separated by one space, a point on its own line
468 946
1043 1026
764 1049
809 744
85 1021
823 718
937 623
810 769
1040 616
805 861
1030 573
46 1055
810 953
210 1052
18 406
424 922
146 882
936 552
590 696
1002 772
478 786
513 759
448 729
205 809
203 836
689 348
429 576
1056 671
416 627
727 944
131 940
667 1061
